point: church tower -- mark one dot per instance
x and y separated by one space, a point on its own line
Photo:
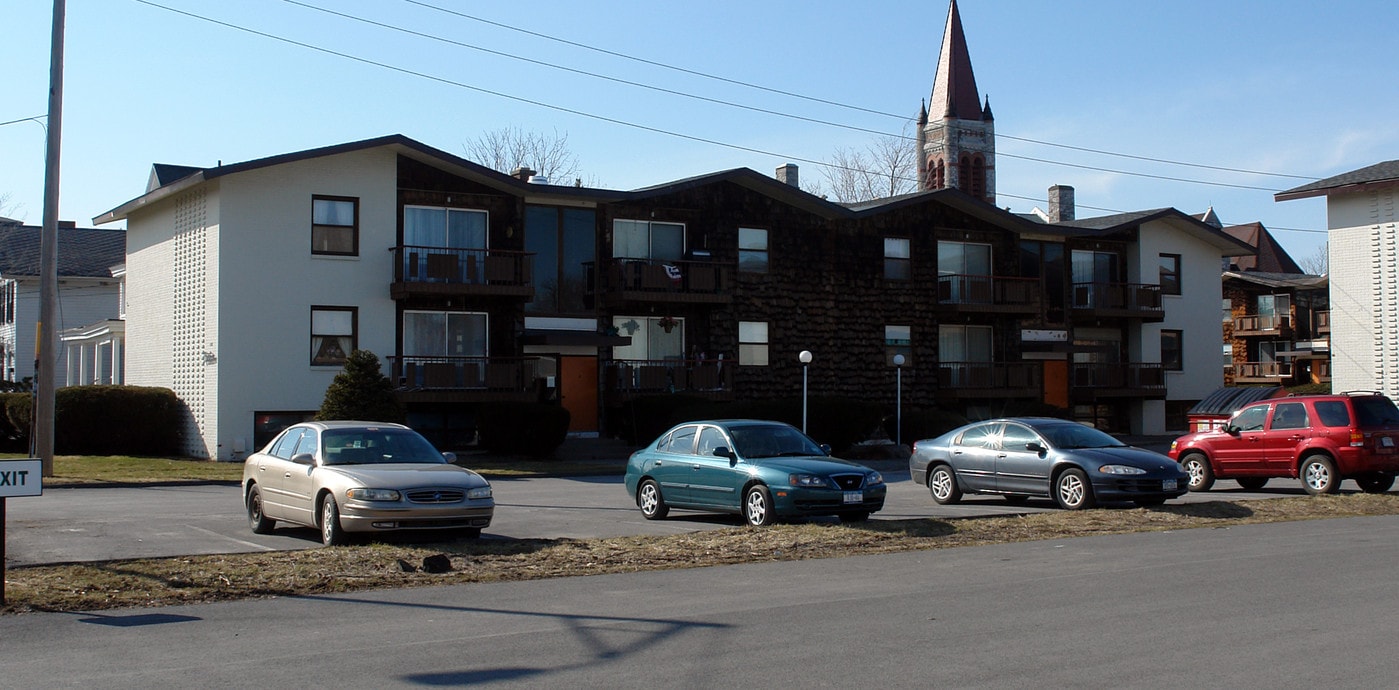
956 133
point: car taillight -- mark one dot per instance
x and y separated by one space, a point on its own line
1357 439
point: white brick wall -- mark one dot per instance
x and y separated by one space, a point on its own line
1364 279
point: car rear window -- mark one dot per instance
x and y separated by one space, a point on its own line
1332 413
1375 412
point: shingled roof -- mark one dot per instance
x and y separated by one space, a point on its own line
82 252
1386 172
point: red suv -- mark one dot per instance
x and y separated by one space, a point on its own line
1322 439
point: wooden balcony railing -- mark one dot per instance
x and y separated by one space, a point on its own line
628 378
1128 300
989 379
1323 321
988 293
654 280
1100 379
1277 325
450 271
1262 372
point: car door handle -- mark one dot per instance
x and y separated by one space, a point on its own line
1001 456
1295 437
288 475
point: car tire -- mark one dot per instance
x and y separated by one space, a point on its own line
758 509
258 520
1375 482
1072 490
942 484
1198 467
650 500
1252 483
332 534
1318 475
859 516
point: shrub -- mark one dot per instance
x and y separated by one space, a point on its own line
112 420
16 421
362 392
522 428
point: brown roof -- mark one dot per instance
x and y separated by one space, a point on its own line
1271 257
954 86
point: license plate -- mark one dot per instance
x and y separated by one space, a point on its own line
1168 485
854 497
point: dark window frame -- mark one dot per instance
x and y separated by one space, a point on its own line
330 360
1169 279
904 264
1175 361
317 228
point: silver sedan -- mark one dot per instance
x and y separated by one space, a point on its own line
344 477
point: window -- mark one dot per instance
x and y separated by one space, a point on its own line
1290 416
1227 305
964 273
753 343
1016 438
896 259
563 243
444 334
333 334
1251 418
1274 311
1228 355
753 250
898 340
682 440
652 338
1170 274
1045 260
1172 358
640 239
335 225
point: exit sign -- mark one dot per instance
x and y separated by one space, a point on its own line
21 477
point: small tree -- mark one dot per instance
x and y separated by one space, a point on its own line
361 392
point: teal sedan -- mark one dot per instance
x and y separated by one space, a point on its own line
761 470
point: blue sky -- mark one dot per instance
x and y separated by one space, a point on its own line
1286 86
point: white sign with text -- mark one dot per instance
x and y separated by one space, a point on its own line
21 477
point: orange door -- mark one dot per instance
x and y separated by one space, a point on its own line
578 391
1056 383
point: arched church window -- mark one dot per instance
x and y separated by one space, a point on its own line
978 177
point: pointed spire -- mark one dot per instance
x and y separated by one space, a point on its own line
954 87
986 110
922 114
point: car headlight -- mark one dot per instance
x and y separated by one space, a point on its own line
479 492
808 480
373 494
1121 469
873 478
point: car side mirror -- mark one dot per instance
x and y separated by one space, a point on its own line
724 452
1231 430
304 459
451 458
1035 447
826 448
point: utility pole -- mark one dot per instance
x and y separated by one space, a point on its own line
46 338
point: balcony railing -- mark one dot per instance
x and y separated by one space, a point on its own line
1124 300
960 292
1275 325
629 378
1117 380
1262 372
989 379
450 271
1323 321
654 280
467 377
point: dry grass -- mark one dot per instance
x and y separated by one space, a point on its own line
166 581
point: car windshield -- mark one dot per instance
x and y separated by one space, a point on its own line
1078 436
770 441
1376 412
370 445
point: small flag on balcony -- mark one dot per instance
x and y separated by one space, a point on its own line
672 272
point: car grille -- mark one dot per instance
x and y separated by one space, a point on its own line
1143 486
849 482
435 495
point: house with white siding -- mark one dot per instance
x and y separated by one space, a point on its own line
1362 220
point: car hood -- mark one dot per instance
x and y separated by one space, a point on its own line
1130 455
408 474
814 464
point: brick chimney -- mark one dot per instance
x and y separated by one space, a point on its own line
787 173
1061 203
522 173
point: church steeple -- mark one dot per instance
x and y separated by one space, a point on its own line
957 143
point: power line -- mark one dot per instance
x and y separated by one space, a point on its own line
36 118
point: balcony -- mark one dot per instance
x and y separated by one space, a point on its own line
972 380
449 272
458 379
1323 321
632 281
1097 380
1118 300
988 294
1269 325
1262 372
632 378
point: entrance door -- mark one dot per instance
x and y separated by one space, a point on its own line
1056 383
578 392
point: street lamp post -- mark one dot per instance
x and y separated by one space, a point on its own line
898 399
805 358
